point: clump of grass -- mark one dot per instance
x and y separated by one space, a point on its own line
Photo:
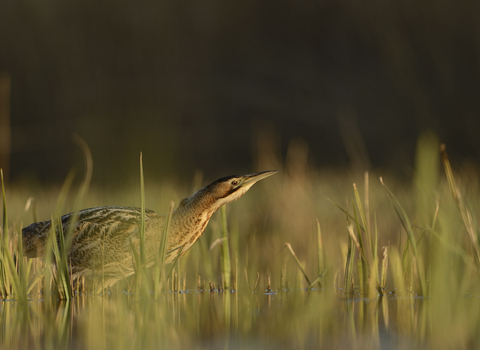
12 281
468 218
56 274
4 275
408 227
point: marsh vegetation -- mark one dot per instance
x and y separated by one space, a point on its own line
307 259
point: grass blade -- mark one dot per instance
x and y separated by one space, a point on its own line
140 273
180 250
467 216
225 251
142 216
364 223
87 154
402 215
61 259
383 283
344 211
348 281
160 262
4 280
298 263
321 252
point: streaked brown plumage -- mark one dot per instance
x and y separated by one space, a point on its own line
102 235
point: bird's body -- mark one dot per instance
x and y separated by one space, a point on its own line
102 237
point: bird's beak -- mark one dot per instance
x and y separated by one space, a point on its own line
250 179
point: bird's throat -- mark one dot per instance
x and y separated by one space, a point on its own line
189 221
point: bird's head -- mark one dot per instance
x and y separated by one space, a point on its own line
230 188
222 191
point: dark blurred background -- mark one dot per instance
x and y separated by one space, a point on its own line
203 84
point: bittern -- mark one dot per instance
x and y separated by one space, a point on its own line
103 237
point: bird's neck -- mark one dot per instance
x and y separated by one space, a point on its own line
190 219
199 203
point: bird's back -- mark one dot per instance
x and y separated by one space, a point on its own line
101 236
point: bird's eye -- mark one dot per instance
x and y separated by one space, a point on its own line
234 182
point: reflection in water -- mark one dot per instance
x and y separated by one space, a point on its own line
288 319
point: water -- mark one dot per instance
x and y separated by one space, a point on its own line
195 319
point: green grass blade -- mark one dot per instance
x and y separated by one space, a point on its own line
48 260
344 211
87 154
348 283
32 203
318 279
23 268
142 218
225 251
4 281
11 278
62 264
36 278
160 262
362 264
467 216
383 282
298 263
359 242
321 251
180 250
364 225
402 215
140 273
57 259
5 217
18 289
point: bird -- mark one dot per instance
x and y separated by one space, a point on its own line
102 238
